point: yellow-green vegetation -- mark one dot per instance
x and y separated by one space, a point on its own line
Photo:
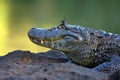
18 16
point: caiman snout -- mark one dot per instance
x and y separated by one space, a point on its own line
32 32
54 33
37 32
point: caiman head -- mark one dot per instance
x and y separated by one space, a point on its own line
64 37
79 43
70 39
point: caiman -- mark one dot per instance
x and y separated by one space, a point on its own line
85 46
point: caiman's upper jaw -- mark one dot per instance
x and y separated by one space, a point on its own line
40 41
54 38
51 34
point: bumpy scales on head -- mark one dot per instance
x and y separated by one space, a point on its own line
85 46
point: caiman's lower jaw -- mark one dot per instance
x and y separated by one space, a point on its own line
49 43
62 44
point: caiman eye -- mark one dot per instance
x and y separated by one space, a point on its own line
70 37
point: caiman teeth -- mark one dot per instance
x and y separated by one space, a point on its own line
42 41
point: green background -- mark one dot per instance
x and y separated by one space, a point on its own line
24 14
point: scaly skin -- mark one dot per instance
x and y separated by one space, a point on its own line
84 46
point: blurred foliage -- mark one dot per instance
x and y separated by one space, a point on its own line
21 15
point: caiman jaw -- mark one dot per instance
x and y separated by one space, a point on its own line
54 38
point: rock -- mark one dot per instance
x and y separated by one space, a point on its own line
54 54
52 65
114 76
